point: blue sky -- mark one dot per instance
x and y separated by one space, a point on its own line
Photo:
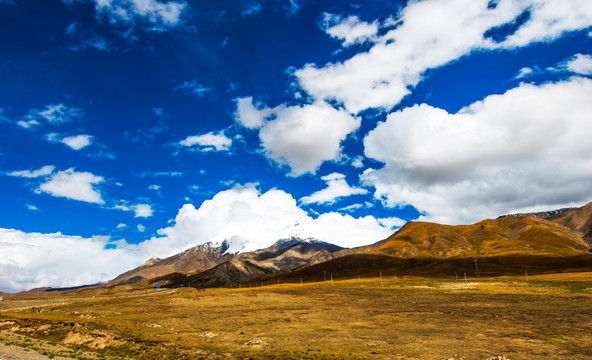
138 128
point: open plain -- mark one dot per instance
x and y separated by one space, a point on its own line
542 317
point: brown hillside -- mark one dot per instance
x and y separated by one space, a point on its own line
512 235
192 260
504 246
284 255
578 219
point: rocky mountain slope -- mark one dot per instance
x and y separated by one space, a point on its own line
549 241
195 259
512 244
578 219
284 255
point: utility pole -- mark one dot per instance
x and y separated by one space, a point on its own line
475 259
324 275
331 279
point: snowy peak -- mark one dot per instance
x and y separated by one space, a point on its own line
153 260
197 258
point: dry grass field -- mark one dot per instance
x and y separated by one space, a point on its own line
546 317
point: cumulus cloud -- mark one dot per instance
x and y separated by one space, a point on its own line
78 142
358 162
433 33
579 64
251 220
349 30
243 215
74 185
139 210
211 141
524 72
31 260
142 210
75 142
300 137
523 150
337 188
159 15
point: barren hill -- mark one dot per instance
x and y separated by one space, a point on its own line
284 255
578 219
192 260
507 245
512 235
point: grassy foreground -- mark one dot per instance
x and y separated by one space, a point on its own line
546 317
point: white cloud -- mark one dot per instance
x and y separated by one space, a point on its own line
524 72
74 185
365 205
548 20
161 173
433 33
212 141
358 162
159 15
32 207
44 171
242 215
337 188
55 113
140 210
579 64
77 142
250 115
121 226
252 220
194 88
31 260
528 148
154 187
350 30
141 228
301 137
29 124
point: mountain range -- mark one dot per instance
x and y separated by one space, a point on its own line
544 242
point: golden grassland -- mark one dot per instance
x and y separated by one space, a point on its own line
546 317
